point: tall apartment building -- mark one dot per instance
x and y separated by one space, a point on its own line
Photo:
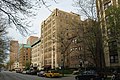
36 55
112 55
14 46
24 56
58 25
31 40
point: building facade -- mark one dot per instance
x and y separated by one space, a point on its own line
14 46
16 65
111 53
31 40
58 26
24 56
36 56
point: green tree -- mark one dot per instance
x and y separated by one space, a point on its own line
27 65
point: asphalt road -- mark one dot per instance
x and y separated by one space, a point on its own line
6 75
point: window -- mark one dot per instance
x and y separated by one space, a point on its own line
80 48
66 34
113 58
53 28
76 48
53 48
75 40
113 47
109 32
54 34
107 19
108 4
71 49
53 22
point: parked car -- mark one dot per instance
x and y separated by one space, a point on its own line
33 72
18 71
75 72
28 71
52 74
24 72
87 75
41 73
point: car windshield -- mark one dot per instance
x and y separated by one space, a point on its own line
89 72
42 71
54 71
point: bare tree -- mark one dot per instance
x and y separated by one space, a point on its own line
64 41
92 32
14 14
4 41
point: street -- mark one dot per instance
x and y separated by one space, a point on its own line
6 75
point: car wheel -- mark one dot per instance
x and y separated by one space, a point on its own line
77 78
45 76
50 76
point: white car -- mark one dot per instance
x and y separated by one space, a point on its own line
24 72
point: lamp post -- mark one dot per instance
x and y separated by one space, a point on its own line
80 64
63 62
85 64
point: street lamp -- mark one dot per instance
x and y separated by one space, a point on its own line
85 64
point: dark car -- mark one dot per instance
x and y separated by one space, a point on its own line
87 75
28 71
41 73
33 72
18 71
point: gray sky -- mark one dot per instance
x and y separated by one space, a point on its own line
42 14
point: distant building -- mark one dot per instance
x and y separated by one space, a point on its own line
31 40
24 56
36 55
111 53
16 65
14 46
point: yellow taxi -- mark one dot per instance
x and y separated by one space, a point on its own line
51 74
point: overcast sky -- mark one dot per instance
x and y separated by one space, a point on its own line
42 14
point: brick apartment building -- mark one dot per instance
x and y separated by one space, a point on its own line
24 56
14 46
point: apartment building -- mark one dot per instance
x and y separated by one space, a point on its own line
16 65
36 55
59 26
111 53
14 46
24 56
31 40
